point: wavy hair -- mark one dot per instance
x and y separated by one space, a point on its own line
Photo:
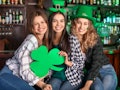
89 39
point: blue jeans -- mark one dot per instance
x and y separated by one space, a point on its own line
8 81
107 79
57 84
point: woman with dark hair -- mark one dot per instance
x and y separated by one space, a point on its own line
17 74
68 78
58 37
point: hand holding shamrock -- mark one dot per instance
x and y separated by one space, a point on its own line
44 60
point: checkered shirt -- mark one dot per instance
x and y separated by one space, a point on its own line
75 72
19 63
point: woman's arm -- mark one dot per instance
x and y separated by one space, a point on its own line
67 62
87 85
43 85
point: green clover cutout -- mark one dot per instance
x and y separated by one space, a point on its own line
44 60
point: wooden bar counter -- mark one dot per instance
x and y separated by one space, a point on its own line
114 56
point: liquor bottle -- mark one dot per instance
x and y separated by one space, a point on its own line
98 2
21 2
10 16
98 16
73 1
0 18
16 2
3 19
77 1
8 1
12 1
94 2
0 1
13 17
17 17
3 1
21 17
117 3
80 1
84 2
88 2
7 18
113 17
101 2
91 2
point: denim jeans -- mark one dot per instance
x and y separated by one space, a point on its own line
8 81
58 84
107 79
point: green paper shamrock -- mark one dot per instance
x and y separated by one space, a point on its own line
44 60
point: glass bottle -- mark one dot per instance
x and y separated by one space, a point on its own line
3 1
21 17
16 2
12 1
17 17
3 19
21 2
0 18
0 1
7 18
10 16
13 17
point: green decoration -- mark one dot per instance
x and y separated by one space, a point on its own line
111 52
58 6
84 11
62 10
44 60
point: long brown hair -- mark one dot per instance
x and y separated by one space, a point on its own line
64 42
41 13
89 39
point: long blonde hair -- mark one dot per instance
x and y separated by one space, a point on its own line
89 39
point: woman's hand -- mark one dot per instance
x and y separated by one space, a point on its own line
43 85
84 88
67 62
47 87
87 85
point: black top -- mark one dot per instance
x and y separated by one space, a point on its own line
95 60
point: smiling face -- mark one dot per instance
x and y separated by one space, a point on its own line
58 23
39 25
82 25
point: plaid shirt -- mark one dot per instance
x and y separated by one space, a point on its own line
20 62
75 72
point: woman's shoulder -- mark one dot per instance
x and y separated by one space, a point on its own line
31 37
73 38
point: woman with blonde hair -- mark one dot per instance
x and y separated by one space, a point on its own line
100 73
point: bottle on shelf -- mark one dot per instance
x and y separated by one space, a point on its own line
13 17
3 1
21 2
98 16
21 17
17 17
3 19
0 2
16 2
10 16
7 18
8 2
0 18
12 1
